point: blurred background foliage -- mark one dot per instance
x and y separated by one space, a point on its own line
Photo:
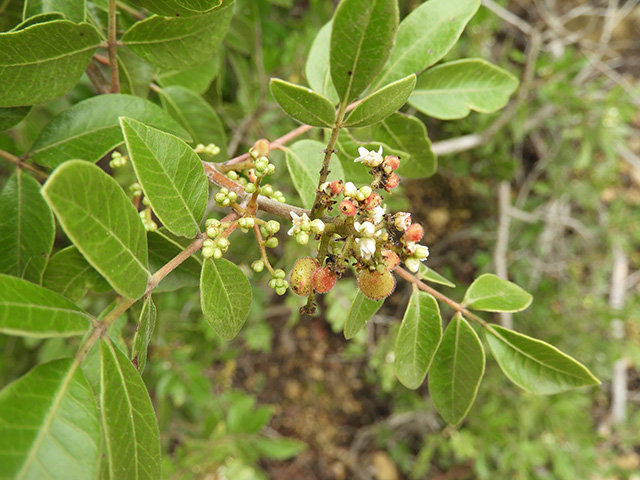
550 191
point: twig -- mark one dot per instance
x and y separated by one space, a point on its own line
617 295
502 243
113 46
507 16
20 164
97 78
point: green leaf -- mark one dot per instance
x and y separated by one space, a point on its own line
303 104
304 161
425 36
279 448
418 339
73 10
425 273
360 312
536 366
50 426
40 18
130 426
381 104
102 222
197 117
26 228
362 38
78 133
29 310
225 297
163 248
490 293
317 66
146 325
407 133
457 371
69 274
44 61
181 42
135 73
197 78
177 8
12 116
452 90
171 176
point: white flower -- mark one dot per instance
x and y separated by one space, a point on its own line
317 226
366 229
413 264
402 220
370 158
376 214
422 252
367 247
410 247
299 223
349 190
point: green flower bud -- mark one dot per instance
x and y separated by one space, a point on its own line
212 222
281 290
263 232
233 196
272 226
145 202
271 242
366 191
225 203
208 243
250 188
207 252
217 253
212 232
272 283
257 266
267 190
232 174
223 243
279 273
302 238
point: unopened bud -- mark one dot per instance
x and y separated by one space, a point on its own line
260 148
414 233
392 182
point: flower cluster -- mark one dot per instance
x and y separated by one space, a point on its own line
303 226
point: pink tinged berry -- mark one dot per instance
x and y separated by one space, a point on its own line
347 208
301 274
391 259
372 201
414 233
391 162
376 286
336 187
392 182
323 280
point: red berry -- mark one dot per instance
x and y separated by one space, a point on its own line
301 274
323 280
348 208
376 285
414 233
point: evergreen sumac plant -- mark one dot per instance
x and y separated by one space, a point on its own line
74 419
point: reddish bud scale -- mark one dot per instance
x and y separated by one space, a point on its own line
323 280
391 162
301 273
347 208
372 201
392 182
261 147
414 233
376 286
391 259
336 187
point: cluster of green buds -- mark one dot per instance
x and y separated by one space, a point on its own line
303 227
135 189
211 149
147 221
215 248
224 197
246 223
263 167
278 282
118 160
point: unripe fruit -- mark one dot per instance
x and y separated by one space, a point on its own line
301 276
414 233
372 201
392 182
323 280
391 259
375 285
347 208
336 187
391 162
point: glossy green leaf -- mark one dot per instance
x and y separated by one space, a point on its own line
225 297
197 117
360 312
490 293
79 133
171 176
317 66
303 104
73 10
452 90
379 105
70 275
112 239
26 228
44 61
418 339
536 366
29 310
162 248
304 161
426 35
146 325
362 38
181 42
425 273
12 116
457 371
178 8
197 78
130 426
50 428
